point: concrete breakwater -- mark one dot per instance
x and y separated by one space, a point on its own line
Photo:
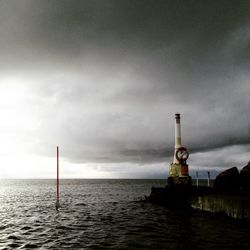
231 194
233 206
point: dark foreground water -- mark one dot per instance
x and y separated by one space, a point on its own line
106 214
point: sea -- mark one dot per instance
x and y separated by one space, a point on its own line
107 214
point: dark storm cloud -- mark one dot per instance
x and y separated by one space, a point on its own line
107 76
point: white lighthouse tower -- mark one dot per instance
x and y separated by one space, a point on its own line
178 170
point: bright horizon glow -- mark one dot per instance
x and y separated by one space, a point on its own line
37 167
31 166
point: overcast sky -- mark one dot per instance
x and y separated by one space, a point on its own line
103 79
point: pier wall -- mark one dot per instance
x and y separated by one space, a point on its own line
235 207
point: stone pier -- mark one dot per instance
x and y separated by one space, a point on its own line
233 206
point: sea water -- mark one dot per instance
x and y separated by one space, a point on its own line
106 214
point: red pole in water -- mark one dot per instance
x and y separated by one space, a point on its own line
57 179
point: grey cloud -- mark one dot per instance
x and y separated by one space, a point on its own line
106 77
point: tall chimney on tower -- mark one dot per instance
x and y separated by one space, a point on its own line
177 135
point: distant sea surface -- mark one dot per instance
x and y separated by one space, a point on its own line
106 214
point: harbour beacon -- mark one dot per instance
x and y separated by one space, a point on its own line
178 169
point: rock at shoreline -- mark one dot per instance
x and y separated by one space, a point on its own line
245 177
228 180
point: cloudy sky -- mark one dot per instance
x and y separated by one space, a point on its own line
103 79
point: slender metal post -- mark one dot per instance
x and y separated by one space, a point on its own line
57 178
197 179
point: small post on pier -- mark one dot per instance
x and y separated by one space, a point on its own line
57 179
208 179
197 179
